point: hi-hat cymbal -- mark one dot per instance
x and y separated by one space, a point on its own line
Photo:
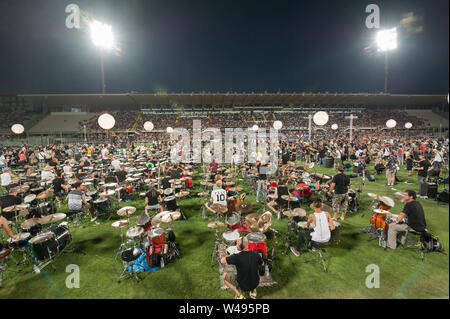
203 194
53 218
126 211
289 198
10 209
399 196
388 201
299 212
244 207
216 225
374 196
252 220
218 208
172 216
160 218
264 222
120 223
182 194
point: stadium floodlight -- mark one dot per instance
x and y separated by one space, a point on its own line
334 127
391 123
408 125
101 35
386 41
169 130
17 129
106 121
277 125
320 118
255 128
148 126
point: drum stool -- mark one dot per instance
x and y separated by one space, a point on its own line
418 244
79 217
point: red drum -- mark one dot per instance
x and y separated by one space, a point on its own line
233 221
189 182
257 241
157 236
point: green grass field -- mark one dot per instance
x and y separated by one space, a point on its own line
402 272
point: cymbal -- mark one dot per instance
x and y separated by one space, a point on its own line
142 219
244 207
374 196
23 213
169 198
252 220
236 189
299 212
44 195
20 189
126 211
160 218
399 196
120 223
264 222
230 183
388 201
311 165
107 194
216 225
168 191
182 194
218 208
53 218
203 194
10 209
171 216
289 198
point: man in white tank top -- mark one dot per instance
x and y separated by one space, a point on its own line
318 226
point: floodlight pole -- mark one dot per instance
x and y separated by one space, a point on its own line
351 117
102 67
386 71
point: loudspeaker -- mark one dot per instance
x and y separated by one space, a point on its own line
328 162
371 178
443 196
432 190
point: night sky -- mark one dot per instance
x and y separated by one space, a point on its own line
219 46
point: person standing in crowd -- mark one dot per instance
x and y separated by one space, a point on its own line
340 184
400 156
423 168
413 210
391 169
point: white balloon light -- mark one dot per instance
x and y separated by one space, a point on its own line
148 126
169 130
106 121
334 127
391 123
277 125
255 127
17 129
320 118
408 125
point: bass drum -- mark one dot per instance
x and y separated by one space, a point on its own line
62 236
44 246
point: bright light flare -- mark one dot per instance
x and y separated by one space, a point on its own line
387 40
101 35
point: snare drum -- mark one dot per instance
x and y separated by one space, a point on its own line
232 250
101 205
233 221
231 236
257 241
31 226
378 219
171 203
134 233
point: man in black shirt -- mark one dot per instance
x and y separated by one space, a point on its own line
152 200
58 186
263 168
121 176
340 184
247 264
424 167
165 182
413 210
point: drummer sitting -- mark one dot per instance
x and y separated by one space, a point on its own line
5 226
321 231
7 201
152 199
218 196
76 201
247 264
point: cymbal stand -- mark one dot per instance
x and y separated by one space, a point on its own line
215 252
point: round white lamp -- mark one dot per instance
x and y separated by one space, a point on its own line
106 121
320 118
169 130
148 126
334 127
277 125
391 123
17 129
255 128
408 125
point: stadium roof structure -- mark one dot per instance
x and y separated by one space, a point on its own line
235 99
